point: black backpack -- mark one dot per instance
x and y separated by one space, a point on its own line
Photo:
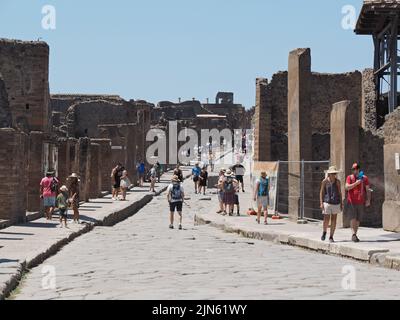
54 185
176 192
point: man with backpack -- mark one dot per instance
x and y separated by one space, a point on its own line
48 192
175 196
229 189
358 198
261 196
331 202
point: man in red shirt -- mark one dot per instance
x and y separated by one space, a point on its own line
48 192
358 198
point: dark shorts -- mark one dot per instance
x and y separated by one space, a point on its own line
195 179
117 185
236 199
175 206
63 213
239 179
355 211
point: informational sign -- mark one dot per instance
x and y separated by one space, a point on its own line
272 169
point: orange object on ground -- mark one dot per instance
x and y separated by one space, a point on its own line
251 212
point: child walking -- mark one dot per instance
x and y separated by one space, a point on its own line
62 205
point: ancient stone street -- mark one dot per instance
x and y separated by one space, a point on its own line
141 258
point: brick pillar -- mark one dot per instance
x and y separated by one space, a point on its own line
83 165
106 163
299 127
391 206
63 160
344 143
13 175
130 146
262 138
35 170
95 174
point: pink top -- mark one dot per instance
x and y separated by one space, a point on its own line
46 184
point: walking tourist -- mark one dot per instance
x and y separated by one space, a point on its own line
178 172
48 192
203 180
239 171
125 184
153 177
116 174
358 198
229 192
175 196
196 177
261 196
141 169
62 205
159 171
331 202
220 187
73 189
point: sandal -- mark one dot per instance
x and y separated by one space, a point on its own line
265 223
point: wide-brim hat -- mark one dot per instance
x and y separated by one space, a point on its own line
64 189
175 179
228 173
50 172
332 170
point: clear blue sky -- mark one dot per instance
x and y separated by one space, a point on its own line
165 49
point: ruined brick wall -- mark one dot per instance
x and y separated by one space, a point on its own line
95 172
106 163
25 68
372 163
262 120
83 167
84 118
391 129
13 164
5 111
35 170
369 120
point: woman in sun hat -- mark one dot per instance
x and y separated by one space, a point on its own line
229 188
331 201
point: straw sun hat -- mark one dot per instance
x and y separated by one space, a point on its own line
332 170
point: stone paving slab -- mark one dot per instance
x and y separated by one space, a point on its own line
27 245
377 246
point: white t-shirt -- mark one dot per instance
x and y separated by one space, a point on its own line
169 191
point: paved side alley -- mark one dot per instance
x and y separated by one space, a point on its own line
140 258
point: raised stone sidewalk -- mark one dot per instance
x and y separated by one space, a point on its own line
27 245
377 246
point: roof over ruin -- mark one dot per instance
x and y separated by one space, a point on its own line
375 14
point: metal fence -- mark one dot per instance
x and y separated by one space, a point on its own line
305 179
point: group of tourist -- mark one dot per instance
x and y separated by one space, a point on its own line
358 191
61 198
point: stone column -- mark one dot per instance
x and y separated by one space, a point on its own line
391 206
83 165
106 163
95 173
63 160
344 143
299 127
13 178
35 170
262 139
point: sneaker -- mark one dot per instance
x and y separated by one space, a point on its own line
331 240
180 227
171 226
354 238
323 236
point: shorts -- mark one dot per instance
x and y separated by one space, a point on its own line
49 202
355 211
239 179
195 179
141 175
262 201
175 206
63 213
221 196
236 199
331 209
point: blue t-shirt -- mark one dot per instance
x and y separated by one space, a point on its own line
196 171
141 168
263 188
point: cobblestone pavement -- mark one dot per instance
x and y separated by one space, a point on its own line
141 258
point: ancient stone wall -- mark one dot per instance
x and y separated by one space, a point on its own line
105 170
13 164
35 170
5 111
25 68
